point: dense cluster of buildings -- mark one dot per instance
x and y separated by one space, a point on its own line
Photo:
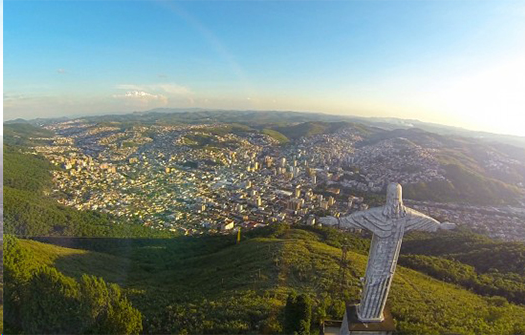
398 159
506 223
193 179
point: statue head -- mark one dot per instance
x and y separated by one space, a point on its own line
394 201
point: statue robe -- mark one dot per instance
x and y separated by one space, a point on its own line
384 251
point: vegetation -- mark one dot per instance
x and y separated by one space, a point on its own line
25 171
308 129
235 128
506 285
297 314
200 116
463 186
483 253
41 300
463 161
276 135
477 263
23 134
213 285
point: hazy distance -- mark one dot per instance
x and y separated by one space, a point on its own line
449 62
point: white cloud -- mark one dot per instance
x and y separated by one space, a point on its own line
142 98
61 71
168 88
138 94
162 93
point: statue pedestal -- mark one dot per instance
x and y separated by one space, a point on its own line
351 324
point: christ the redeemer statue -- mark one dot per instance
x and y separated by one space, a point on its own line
388 223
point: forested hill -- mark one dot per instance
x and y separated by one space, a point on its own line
210 284
487 267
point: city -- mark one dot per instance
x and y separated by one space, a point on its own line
218 178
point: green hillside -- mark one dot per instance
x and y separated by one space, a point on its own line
276 135
463 162
307 129
488 267
24 134
212 285
465 186
478 251
41 300
202 116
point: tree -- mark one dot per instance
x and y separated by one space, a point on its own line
49 304
304 314
290 315
297 314
42 300
106 311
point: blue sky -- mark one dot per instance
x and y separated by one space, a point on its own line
452 62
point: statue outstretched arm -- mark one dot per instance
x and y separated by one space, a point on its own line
371 219
368 219
422 222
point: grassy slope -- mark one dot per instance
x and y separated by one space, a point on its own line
307 129
262 271
463 185
276 135
21 134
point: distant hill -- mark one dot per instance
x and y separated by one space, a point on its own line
276 135
311 128
466 165
22 134
464 186
185 115
194 116
212 285
397 123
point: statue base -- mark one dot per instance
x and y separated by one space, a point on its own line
352 325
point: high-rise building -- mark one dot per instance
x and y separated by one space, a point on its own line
269 161
294 204
298 191
311 220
